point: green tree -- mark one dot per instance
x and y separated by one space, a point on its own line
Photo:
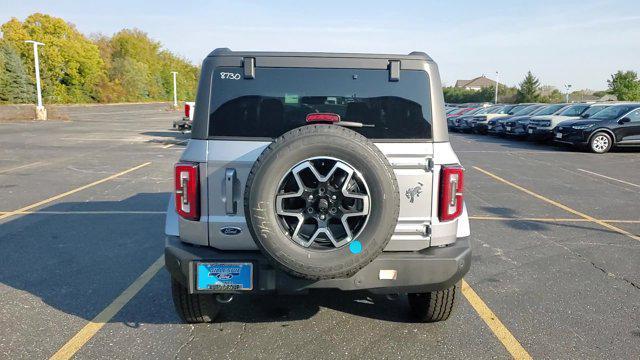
70 64
625 85
554 96
15 85
528 89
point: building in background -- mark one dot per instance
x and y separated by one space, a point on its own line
478 83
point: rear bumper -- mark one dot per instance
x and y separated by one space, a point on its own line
429 270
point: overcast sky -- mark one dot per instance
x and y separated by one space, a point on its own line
576 42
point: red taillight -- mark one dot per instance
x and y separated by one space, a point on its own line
451 185
323 117
187 191
187 110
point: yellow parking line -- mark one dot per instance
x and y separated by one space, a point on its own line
88 331
503 334
20 167
173 144
59 196
561 206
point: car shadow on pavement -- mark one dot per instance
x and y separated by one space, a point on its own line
174 137
533 225
512 143
277 308
77 257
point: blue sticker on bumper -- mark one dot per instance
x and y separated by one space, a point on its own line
224 276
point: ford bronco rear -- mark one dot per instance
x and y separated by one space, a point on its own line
315 170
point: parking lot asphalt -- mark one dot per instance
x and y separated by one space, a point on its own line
555 236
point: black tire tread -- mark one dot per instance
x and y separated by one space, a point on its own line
312 130
433 306
193 308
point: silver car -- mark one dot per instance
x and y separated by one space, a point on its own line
313 170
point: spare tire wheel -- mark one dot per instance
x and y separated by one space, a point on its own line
321 202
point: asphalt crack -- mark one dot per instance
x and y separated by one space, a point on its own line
239 338
593 264
192 336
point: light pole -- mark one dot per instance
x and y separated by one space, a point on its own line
496 99
175 90
41 113
567 87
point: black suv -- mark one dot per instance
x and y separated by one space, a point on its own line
517 127
616 125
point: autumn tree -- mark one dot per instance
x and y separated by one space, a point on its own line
70 64
128 66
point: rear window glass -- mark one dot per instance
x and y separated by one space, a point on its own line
279 99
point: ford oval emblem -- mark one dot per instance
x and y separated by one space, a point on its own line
230 230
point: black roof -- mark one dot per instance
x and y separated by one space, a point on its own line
415 55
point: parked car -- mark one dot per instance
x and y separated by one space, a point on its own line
186 121
479 122
273 195
617 125
541 127
455 114
497 125
453 123
518 127
463 123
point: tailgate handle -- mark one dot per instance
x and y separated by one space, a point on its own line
229 180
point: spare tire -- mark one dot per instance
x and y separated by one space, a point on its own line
321 202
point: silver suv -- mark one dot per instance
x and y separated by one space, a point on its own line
315 170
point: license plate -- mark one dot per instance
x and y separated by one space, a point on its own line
559 135
530 131
489 127
508 128
224 276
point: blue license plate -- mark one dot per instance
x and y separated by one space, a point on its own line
224 276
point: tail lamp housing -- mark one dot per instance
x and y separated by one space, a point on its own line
187 110
187 191
451 186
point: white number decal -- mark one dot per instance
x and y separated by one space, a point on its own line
229 75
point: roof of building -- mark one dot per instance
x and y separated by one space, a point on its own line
480 81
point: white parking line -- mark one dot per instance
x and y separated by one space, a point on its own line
610 178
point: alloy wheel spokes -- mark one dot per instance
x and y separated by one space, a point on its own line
316 200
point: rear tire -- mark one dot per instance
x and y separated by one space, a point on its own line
600 143
433 306
193 308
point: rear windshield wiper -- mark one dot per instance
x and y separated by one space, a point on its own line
352 124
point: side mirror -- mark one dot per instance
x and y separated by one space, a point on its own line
584 116
624 120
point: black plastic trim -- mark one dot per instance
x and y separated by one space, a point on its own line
431 269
